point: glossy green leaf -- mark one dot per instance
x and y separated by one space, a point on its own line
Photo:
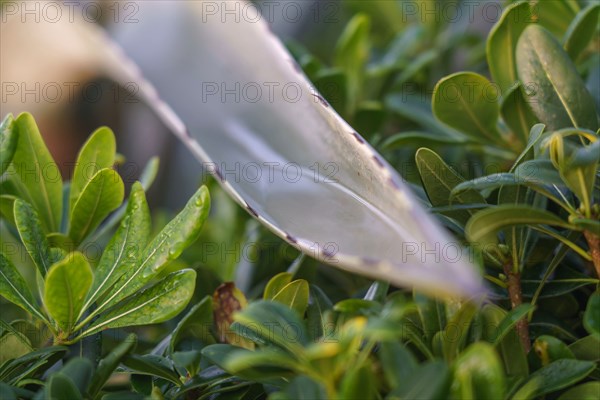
561 99
516 113
478 374
158 303
102 195
67 283
96 154
555 376
483 227
294 295
429 381
8 142
37 173
32 236
60 387
502 44
591 318
468 102
196 324
582 30
182 231
510 321
585 391
107 366
439 180
14 288
122 254
277 283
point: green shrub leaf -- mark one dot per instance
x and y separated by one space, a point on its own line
102 195
67 283
555 376
109 363
274 323
37 174
159 303
468 102
277 283
152 365
581 30
196 324
182 231
585 391
122 254
478 374
60 386
294 295
351 54
483 227
8 142
517 114
561 99
439 180
31 232
502 44
14 288
510 321
429 381
591 318
97 153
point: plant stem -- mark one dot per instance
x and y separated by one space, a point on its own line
516 299
593 241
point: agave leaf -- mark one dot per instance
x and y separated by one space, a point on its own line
284 155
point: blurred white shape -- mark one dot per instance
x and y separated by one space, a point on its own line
247 112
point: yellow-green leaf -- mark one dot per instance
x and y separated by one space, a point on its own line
36 174
8 142
97 153
67 284
102 195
